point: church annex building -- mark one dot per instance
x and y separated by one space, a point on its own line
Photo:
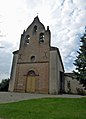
37 66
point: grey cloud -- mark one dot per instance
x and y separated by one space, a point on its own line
69 27
5 64
6 59
33 4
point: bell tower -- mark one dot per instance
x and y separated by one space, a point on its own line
35 42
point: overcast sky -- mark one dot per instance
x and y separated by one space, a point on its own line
66 18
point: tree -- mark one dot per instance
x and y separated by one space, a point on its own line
80 61
4 85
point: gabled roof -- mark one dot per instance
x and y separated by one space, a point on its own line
36 20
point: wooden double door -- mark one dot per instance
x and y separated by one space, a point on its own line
31 84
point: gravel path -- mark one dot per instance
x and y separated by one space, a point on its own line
14 97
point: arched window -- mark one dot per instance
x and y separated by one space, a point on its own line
41 38
27 39
31 73
35 28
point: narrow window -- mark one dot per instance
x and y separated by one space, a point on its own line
41 38
27 39
35 28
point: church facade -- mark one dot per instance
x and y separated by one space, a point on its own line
37 66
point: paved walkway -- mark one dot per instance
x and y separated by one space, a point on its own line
13 97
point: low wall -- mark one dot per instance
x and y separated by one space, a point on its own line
71 85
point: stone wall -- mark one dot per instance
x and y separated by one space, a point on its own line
71 85
42 76
13 72
55 68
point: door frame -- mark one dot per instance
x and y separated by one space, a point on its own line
31 74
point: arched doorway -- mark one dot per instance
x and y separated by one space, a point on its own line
32 82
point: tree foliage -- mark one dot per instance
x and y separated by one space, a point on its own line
80 61
4 85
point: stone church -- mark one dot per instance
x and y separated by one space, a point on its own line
37 66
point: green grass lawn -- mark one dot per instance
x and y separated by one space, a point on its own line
48 108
